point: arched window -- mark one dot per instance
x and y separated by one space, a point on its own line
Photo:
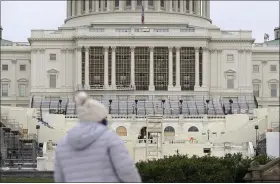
121 131
169 131
193 129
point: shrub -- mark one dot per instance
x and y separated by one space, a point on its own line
184 169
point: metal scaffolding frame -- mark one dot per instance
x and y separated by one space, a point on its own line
17 150
155 142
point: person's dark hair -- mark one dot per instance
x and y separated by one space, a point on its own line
104 122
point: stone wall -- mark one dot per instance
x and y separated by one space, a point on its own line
269 173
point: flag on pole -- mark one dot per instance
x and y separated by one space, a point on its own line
142 15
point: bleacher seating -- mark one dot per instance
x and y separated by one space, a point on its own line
171 106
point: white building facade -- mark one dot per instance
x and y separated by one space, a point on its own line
104 48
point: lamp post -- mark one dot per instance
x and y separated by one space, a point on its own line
230 106
110 104
136 107
59 106
38 128
256 149
181 106
163 108
133 108
207 103
208 132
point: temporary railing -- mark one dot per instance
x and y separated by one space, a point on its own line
198 106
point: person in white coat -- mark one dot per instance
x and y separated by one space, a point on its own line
90 152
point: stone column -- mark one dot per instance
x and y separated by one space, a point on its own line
102 6
121 5
92 5
87 68
249 69
198 7
219 72
213 69
133 5
113 68
14 85
204 8
208 8
170 9
132 73
79 66
170 69
87 6
70 68
106 67
191 6
157 5
96 6
79 7
205 68
196 67
69 8
33 68
240 70
178 69
176 5
42 63
182 6
74 8
63 68
151 86
146 6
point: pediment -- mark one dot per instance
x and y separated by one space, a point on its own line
273 81
5 80
256 81
53 71
22 80
230 72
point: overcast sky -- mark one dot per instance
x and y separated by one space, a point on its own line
19 17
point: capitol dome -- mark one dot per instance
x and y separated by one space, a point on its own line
89 12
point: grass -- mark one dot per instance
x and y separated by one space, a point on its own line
26 180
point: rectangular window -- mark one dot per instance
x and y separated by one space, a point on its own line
273 68
22 67
53 57
123 30
187 30
273 90
162 3
139 2
230 83
52 81
256 68
161 30
117 3
256 90
22 90
151 3
5 88
5 67
97 29
230 57
128 3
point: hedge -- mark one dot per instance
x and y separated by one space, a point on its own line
207 169
184 169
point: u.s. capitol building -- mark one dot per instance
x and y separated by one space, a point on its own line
141 58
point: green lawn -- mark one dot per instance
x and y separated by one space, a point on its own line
27 180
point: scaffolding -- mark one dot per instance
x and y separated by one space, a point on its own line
17 149
154 137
